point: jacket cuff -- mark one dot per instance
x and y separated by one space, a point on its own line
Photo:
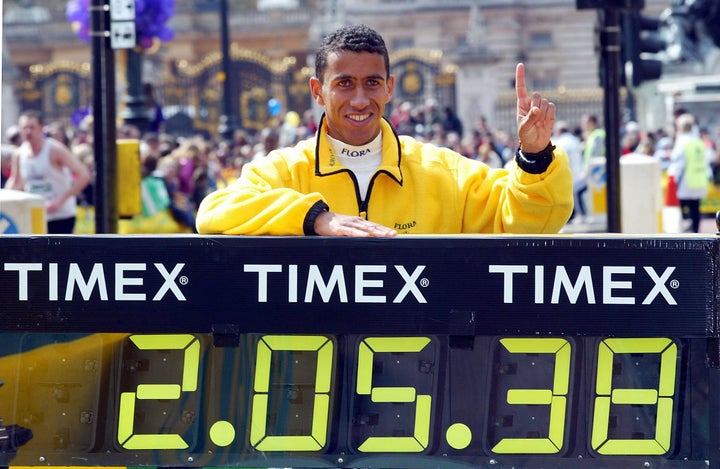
309 222
535 163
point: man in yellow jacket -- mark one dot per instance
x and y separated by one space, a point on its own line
357 177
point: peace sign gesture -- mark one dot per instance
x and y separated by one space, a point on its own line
535 116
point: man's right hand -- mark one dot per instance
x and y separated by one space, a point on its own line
335 224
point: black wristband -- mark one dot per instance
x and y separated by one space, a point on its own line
315 210
535 163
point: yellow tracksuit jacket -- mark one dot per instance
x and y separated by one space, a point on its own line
418 189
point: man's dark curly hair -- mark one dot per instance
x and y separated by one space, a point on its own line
355 38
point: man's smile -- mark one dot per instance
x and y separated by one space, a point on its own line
358 117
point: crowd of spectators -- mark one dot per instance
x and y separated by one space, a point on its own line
191 167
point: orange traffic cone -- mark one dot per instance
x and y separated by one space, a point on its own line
672 213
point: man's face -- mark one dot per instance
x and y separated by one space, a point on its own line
354 92
30 128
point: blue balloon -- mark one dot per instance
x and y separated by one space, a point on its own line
274 106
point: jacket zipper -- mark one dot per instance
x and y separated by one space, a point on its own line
364 205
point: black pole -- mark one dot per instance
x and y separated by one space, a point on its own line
103 74
611 50
228 121
135 112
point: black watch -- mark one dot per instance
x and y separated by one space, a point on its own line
309 222
535 163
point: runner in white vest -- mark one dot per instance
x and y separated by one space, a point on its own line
46 167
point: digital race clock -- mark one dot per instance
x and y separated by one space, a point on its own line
414 352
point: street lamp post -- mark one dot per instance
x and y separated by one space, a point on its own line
610 44
228 121
135 112
103 23
103 59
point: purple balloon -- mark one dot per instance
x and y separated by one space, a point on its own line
146 42
150 19
78 14
78 115
166 34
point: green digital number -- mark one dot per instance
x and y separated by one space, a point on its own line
661 396
259 437
556 397
126 415
423 403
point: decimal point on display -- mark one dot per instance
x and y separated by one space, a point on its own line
222 433
458 435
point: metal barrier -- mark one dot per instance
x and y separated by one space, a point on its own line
411 352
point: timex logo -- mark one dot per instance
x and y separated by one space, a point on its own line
367 283
129 280
616 284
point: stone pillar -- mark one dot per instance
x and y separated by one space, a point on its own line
476 86
10 107
476 83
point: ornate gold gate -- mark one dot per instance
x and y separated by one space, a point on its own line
191 95
58 90
421 75
194 92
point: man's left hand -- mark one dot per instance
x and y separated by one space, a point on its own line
535 116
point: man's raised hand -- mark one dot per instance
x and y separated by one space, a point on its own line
535 116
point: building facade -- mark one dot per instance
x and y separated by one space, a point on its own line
460 53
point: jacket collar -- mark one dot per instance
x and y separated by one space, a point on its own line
326 163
